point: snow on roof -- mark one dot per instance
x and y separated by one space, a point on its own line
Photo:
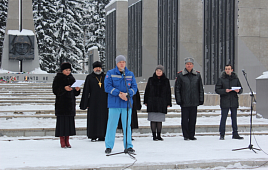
23 32
110 11
263 76
93 48
113 1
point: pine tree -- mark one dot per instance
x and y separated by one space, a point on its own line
69 41
3 18
44 12
96 27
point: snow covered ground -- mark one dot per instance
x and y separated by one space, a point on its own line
208 152
29 153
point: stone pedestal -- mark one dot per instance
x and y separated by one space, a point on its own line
262 95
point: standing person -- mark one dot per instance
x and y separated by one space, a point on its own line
115 84
157 98
189 94
94 99
228 99
65 104
134 115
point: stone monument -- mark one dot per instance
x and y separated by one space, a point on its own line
20 52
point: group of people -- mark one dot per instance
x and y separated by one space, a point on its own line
107 97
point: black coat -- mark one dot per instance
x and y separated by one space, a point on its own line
95 99
230 99
189 90
134 116
65 100
157 94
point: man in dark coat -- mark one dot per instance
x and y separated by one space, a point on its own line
228 99
189 94
94 99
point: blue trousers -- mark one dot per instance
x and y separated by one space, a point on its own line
224 114
114 114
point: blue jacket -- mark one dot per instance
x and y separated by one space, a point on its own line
114 83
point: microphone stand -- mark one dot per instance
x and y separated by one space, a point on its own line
129 103
250 147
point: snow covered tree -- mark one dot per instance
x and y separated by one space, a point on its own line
44 12
96 27
3 18
69 41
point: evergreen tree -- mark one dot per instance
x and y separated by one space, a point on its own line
69 41
96 27
44 12
3 18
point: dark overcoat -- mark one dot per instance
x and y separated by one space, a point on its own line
157 94
134 116
94 99
189 90
65 100
230 99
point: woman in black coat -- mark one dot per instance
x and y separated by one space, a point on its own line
157 98
65 104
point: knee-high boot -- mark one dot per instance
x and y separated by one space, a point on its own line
62 142
67 142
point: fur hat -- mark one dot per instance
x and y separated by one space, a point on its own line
160 67
189 59
120 58
65 66
97 64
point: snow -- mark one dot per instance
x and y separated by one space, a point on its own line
23 32
93 48
263 76
110 11
113 1
37 153
35 71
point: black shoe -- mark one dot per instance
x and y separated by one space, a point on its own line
222 137
108 150
155 139
101 139
186 138
93 139
192 138
130 150
237 137
132 139
159 138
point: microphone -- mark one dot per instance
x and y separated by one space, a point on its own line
124 72
244 71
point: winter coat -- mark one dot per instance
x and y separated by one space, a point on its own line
157 94
230 99
134 116
95 99
114 83
189 90
65 100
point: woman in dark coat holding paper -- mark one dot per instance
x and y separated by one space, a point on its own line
157 98
65 104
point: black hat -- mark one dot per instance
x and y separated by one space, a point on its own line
97 64
65 66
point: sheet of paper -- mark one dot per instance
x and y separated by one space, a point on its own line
235 88
78 83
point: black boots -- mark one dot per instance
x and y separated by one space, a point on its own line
154 136
159 136
237 137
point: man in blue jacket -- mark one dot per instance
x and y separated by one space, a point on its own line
115 85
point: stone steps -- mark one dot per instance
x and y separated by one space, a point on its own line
200 129
140 115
